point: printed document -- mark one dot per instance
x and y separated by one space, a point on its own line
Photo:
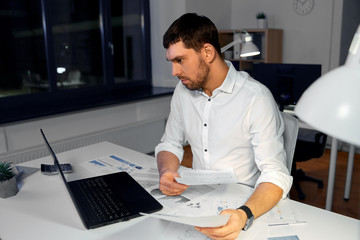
200 221
206 177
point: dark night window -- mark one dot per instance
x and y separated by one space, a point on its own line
64 55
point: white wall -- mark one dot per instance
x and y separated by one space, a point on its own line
162 14
217 11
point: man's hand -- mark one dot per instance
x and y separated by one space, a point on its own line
168 184
231 230
258 205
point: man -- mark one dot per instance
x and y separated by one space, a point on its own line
229 119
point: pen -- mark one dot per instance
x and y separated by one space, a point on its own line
277 224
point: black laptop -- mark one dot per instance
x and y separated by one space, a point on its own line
107 199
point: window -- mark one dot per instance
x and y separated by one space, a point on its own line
76 37
64 55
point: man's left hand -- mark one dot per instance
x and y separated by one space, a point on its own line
231 230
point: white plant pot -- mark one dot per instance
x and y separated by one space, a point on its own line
9 188
262 23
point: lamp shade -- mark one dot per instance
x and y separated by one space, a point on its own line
249 49
332 103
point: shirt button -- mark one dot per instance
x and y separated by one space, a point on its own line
205 124
209 99
205 150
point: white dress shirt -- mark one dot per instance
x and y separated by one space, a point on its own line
238 127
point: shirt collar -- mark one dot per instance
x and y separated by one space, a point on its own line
229 82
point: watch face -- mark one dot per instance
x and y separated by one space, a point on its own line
303 7
248 223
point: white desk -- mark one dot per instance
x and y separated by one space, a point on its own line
43 209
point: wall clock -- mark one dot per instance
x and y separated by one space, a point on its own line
303 7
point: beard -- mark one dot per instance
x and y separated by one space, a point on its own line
201 77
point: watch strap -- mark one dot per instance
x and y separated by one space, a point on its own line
247 211
250 217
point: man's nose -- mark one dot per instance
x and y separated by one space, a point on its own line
175 70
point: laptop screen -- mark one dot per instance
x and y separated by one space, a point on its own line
56 161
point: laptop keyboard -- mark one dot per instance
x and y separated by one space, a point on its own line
102 200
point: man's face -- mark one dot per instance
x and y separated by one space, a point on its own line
188 65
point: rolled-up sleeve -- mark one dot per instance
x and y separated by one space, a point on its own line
267 129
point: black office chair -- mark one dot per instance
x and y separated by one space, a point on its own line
310 144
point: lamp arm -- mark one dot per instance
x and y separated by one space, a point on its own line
226 47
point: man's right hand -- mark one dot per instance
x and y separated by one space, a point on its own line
168 184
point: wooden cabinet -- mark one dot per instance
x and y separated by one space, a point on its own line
269 41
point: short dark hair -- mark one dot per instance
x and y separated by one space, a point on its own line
194 31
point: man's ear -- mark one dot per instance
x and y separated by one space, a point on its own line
208 52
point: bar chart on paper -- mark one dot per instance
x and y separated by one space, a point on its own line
111 164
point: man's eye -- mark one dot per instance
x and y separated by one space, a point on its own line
179 61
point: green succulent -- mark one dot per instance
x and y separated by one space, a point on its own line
6 171
260 15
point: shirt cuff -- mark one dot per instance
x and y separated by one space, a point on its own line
179 153
282 180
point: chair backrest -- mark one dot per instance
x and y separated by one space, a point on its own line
290 137
310 144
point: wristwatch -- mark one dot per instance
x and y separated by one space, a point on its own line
250 217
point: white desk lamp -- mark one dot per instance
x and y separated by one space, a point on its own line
248 47
332 105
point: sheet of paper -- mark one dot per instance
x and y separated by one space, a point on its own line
24 172
202 221
182 232
281 232
175 202
206 177
283 214
213 202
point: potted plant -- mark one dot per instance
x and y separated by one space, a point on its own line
261 20
8 183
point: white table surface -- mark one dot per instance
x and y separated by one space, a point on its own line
43 208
